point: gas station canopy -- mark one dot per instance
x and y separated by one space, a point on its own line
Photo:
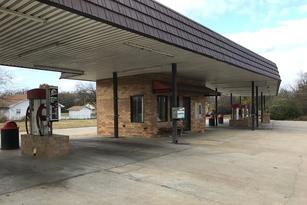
91 39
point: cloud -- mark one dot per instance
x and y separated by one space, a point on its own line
266 10
71 85
205 8
67 85
285 44
303 8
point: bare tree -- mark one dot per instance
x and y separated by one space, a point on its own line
87 93
5 79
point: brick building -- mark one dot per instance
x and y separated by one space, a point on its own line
152 115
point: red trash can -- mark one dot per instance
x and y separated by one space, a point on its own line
221 119
10 136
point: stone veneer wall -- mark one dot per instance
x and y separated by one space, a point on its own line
131 86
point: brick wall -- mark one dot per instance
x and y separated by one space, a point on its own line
131 86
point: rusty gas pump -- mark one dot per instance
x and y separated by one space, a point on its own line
42 110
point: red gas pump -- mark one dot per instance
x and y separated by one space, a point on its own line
42 110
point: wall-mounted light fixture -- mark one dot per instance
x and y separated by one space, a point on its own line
23 15
145 48
42 48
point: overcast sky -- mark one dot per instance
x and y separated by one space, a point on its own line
276 29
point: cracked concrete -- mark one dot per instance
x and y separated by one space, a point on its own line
223 166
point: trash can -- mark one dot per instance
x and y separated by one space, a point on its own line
211 121
221 119
10 136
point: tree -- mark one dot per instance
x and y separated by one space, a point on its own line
5 79
292 101
84 93
87 93
300 92
285 109
68 99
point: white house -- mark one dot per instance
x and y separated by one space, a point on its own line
14 107
80 112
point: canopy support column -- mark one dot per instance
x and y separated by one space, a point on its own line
261 107
264 102
253 105
174 100
257 106
216 107
231 103
115 101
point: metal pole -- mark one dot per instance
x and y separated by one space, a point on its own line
174 100
240 100
264 102
231 103
216 111
257 106
261 107
115 100
253 105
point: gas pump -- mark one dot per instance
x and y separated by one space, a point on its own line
42 110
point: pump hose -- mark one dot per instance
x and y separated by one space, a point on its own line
39 116
27 119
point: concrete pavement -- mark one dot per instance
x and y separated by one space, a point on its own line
223 166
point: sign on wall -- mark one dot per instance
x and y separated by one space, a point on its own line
198 111
178 113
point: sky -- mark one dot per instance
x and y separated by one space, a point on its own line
275 29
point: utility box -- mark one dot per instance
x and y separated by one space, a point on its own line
10 136
178 113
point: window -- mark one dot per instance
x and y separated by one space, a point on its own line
137 109
162 102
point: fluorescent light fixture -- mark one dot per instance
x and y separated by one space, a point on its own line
145 48
153 68
23 15
68 75
42 48
58 69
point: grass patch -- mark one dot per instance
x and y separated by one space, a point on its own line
302 118
63 124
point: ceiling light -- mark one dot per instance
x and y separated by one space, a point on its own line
23 15
145 48
58 69
42 48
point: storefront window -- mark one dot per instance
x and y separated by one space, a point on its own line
137 109
162 102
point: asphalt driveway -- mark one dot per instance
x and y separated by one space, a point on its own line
223 166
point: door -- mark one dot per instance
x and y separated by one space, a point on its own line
187 106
